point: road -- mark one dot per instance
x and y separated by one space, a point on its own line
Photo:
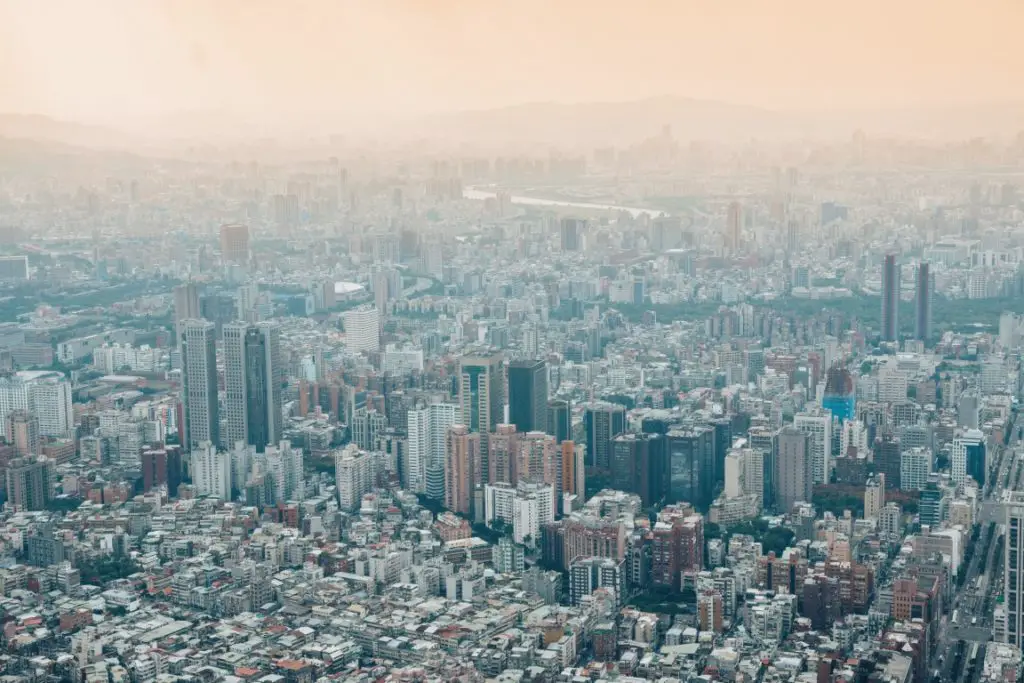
972 603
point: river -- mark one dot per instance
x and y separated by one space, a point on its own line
476 193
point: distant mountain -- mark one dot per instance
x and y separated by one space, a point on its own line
44 128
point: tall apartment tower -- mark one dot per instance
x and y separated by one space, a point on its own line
253 374
23 426
794 480
482 397
1013 568
817 424
462 471
528 395
362 329
890 298
234 243
186 307
28 483
924 292
202 420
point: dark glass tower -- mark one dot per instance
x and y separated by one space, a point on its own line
924 291
559 420
890 298
528 395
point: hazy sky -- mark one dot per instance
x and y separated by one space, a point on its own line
298 60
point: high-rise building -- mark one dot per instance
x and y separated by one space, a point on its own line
200 375
253 375
915 467
640 465
1013 568
234 243
690 452
559 419
874 496
23 428
362 329
794 478
735 226
570 229
186 307
482 397
602 422
839 396
817 424
211 471
45 394
28 483
887 459
890 298
353 475
968 457
427 438
284 465
528 395
572 469
162 466
463 466
924 293
588 574
504 455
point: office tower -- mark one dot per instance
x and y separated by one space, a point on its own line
721 442
234 243
570 233
874 496
362 329
968 457
211 471
28 483
253 375
794 479
482 397
23 428
200 378
763 439
817 424
734 227
462 473
504 455
186 307
969 410
640 465
924 292
689 453
162 466
1013 562
353 475
602 422
887 459
890 298
559 419
839 398
528 395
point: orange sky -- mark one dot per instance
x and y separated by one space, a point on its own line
291 61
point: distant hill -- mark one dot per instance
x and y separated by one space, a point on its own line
44 128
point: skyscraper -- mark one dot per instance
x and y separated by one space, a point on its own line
817 424
462 473
482 397
735 222
528 395
924 291
559 419
253 375
23 427
234 243
602 422
690 452
1013 562
570 233
362 329
427 436
28 483
186 307
968 457
639 465
890 298
794 479
200 376
211 471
